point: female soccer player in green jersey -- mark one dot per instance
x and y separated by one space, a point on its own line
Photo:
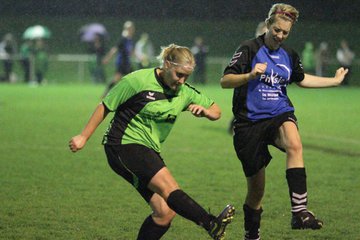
146 105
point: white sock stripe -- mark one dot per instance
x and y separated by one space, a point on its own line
299 196
252 238
299 201
298 210
298 206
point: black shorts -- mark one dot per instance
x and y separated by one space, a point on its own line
251 141
136 163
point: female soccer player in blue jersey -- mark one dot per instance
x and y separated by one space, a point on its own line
146 105
259 72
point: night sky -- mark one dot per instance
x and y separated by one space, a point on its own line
319 10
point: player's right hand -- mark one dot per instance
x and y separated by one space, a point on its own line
259 69
77 142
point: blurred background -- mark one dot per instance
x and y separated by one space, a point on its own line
222 26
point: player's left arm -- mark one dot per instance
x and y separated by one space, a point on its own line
212 113
313 81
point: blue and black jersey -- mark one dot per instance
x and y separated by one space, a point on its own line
265 96
123 60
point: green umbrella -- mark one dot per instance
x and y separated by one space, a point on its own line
37 31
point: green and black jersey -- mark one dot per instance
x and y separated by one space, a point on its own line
145 109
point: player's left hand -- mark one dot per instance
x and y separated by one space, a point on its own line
340 74
197 110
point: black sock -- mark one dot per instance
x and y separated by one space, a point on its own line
150 230
252 219
186 207
296 178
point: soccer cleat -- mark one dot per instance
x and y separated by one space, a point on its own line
305 220
218 224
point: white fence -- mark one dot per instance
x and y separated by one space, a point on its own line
82 59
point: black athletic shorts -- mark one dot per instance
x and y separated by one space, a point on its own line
136 163
251 141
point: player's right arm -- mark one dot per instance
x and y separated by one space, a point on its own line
109 55
239 71
78 142
236 80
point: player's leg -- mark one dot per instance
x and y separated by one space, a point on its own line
289 139
251 145
252 150
252 207
127 161
145 170
156 224
165 185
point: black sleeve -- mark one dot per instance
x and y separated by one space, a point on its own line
120 44
297 71
240 61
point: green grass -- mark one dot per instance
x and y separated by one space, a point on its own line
47 192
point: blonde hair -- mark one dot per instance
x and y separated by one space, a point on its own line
284 11
128 29
128 24
176 54
260 29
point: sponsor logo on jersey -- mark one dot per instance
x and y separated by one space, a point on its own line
150 95
275 78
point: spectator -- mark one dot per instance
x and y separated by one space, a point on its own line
322 59
345 56
26 53
97 48
308 58
41 60
8 50
144 51
200 52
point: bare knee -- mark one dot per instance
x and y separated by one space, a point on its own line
294 148
162 213
163 183
164 216
294 155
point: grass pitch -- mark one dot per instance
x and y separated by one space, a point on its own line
47 192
